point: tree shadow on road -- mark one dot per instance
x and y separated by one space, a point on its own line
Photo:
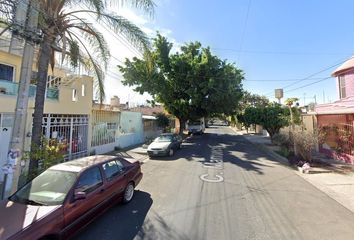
248 156
130 221
121 221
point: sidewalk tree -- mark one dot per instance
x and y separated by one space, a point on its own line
249 100
252 100
272 117
191 83
64 30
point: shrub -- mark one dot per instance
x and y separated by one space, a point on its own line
282 139
49 153
305 143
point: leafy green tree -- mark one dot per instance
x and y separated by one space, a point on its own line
252 100
162 120
191 83
247 101
272 117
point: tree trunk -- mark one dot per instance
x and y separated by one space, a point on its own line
182 125
43 64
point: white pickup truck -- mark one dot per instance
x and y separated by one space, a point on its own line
196 126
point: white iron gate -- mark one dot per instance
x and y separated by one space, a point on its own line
72 130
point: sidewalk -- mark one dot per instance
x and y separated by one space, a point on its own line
137 152
336 180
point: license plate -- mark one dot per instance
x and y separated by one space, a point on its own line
155 152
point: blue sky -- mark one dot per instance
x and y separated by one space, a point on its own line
267 39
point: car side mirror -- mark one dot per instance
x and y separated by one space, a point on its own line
79 195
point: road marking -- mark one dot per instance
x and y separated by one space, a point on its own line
215 166
215 179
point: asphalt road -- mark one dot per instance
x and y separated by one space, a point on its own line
219 186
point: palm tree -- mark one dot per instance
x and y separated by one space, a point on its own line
64 30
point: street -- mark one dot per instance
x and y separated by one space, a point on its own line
219 186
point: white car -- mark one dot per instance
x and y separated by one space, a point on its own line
165 145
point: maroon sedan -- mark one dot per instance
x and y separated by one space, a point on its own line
67 197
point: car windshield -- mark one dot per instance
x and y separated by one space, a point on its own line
194 123
164 138
49 188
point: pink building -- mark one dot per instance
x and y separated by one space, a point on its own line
336 120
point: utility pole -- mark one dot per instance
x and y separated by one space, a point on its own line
13 168
315 99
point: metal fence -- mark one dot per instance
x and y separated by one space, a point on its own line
339 137
104 127
70 130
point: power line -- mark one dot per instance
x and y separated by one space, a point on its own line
291 90
310 76
245 25
280 80
273 52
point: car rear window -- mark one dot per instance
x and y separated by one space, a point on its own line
112 169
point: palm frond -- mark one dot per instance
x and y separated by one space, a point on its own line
96 40
91 64
121 25
147 6
97 5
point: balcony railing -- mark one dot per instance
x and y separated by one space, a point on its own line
11 88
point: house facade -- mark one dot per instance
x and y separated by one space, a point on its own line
336 120
67 109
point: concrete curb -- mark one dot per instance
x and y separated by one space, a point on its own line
271 153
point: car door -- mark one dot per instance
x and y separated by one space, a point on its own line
77 213
174 142
115 181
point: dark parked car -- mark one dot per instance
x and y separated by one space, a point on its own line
67 197
165 145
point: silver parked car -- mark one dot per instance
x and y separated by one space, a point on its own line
165 145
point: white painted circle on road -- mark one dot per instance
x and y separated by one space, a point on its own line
214 179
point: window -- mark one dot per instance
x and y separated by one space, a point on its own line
6 72
90 180
49 188
83 90
7 120
74 95
112 169
342 87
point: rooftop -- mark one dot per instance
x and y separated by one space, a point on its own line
349 64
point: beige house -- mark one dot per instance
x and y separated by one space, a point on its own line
67 110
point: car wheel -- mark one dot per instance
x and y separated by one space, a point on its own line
171 152
128 193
